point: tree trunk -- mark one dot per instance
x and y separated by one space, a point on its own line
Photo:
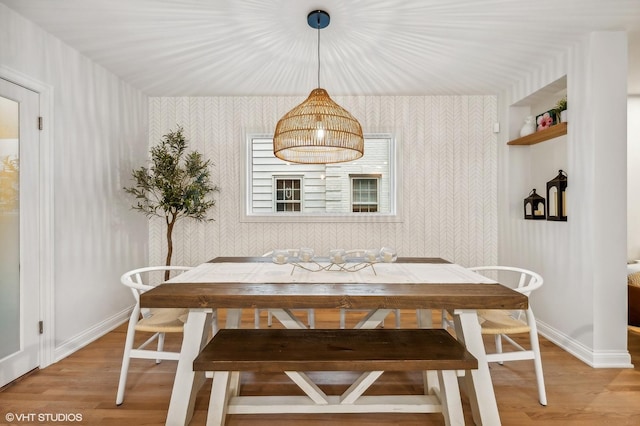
169 245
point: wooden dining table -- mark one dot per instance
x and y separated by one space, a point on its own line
423 284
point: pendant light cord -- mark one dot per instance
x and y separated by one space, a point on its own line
318 51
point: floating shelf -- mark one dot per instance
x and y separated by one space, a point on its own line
541 135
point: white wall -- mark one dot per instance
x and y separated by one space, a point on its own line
448 161
582 305
99 135
633 177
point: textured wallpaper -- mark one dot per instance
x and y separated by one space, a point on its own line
449 171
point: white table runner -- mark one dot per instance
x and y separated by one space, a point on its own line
263 272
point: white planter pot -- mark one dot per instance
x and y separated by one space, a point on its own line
563 116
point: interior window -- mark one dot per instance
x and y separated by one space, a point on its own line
279 190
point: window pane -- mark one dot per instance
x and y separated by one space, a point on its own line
365 208
365 190
288 195
10 308
365 195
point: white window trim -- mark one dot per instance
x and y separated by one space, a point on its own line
395 185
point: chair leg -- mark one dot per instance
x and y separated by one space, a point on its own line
498 340
397 312
160 345
343 320
311 316
537 359
542 394
269 318
424 318
126 357
446 321
256 318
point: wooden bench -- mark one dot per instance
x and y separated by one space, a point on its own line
371 351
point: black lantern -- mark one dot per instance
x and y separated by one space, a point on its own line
557 197
534 206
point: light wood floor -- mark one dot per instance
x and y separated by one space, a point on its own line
85 384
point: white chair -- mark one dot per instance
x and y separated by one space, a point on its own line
156 321
360 254
501 323
311 318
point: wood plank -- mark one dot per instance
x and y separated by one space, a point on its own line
541 135
278 405
275 350
334 296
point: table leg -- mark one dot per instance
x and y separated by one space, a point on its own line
187 383
287 318
477 382
219 398
234 317
429 378
373 319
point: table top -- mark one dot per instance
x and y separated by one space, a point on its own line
409 283
267 259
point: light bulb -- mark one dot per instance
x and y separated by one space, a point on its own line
319 128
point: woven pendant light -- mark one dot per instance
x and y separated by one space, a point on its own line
318 131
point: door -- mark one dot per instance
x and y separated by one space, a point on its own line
19 212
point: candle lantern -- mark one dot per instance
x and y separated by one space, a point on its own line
534 206
557 197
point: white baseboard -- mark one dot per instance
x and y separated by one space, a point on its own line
595 359
83 339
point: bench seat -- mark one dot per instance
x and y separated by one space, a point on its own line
294 351
276 350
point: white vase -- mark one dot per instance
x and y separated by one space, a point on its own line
563 116
528 127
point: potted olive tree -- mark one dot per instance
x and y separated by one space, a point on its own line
175 185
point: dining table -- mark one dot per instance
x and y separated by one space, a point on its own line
412 283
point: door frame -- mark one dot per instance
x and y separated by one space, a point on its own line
45 213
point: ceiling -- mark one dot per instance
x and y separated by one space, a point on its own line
383 47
